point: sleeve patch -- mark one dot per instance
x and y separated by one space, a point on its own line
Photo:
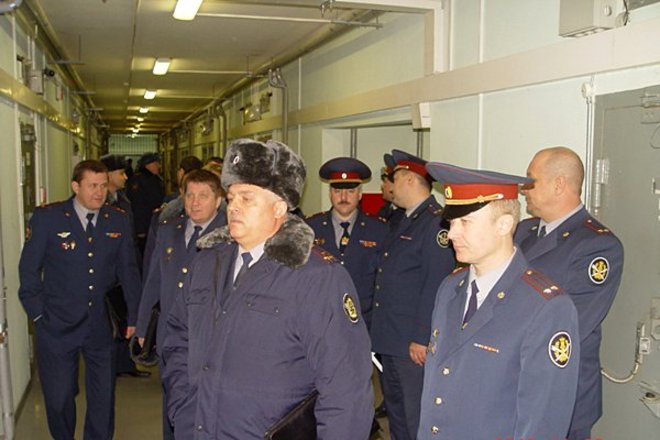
559 349
599 268
443 238
349 309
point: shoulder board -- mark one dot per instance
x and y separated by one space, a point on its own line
52 205
542 284
116 208
459 270
593 225
323 254
374 217
313 216
159 209
435 211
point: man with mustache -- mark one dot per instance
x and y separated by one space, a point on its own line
353 237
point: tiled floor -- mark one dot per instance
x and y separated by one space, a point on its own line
137 411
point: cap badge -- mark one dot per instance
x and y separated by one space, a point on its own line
443 238
236 159
448 192
598 270
344 175
559 349
350 309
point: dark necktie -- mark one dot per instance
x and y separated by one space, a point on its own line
542 232
90 226
192 243
343 241
247 258
472 305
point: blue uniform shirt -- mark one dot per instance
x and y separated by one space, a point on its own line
512 371
587 260
415 259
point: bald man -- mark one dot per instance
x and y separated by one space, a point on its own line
570 246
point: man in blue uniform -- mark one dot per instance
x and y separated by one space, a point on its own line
146 193
503 356
75 251
389 211
415 259
264 318
585 257
354 238
116 182
176 246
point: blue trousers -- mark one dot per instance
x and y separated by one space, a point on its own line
402 389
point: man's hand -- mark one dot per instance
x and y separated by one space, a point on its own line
130 331
417 353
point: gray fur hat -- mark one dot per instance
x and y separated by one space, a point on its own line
271 165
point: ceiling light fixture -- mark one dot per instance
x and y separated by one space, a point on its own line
136 130
149 94
144 110
140 119
161 66
186 9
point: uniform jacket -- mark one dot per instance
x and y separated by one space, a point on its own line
391 214
146 192
415 259
587 260
291 326
361 255
64 278
169 265
162 215
511 372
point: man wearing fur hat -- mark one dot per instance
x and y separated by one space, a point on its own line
265 320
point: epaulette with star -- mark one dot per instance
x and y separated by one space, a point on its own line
325 255
595 226
458 270
52 204
116 208
436 212
375 217
313 216
159 209
542 284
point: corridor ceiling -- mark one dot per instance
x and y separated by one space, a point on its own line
111 47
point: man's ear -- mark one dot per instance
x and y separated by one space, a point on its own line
505 224
75 187
281 209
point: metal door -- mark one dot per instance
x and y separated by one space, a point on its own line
625 196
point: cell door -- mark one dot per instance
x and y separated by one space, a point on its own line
625 196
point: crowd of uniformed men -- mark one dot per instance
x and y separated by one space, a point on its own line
263 323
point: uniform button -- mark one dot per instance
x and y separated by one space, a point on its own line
446 371
438 400
224 312
199 427
184 270
435 430
205 368
380 270
377 286
91 287
180 284
90 254
342 263
91 270
386 254
89 304
436 332
377 304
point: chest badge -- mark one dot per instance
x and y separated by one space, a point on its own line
63 234
443 238
113 234
559 349
349 308
598 270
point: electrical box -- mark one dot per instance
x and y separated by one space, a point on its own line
578 18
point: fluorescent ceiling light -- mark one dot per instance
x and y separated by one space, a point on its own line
144 110
136 130
140 119
186 9
161 66
149 94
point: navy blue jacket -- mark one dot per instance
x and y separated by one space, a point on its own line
415 259
586 259
511 373
360 256
64 278
146 192
235 368
169 265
